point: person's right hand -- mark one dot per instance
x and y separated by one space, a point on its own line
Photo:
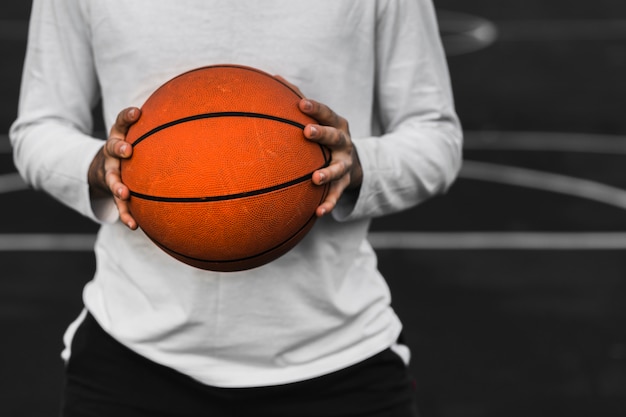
104 172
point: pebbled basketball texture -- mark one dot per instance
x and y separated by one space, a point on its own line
220 176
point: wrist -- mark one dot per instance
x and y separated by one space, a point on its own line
96 177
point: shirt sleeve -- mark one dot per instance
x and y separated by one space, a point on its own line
419 149
51 138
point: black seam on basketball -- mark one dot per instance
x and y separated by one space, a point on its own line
244 194
231 261
327 154
216 115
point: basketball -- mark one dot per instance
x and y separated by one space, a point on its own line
220 176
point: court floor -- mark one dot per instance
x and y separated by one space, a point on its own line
511 286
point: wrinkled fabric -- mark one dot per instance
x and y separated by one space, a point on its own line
324 305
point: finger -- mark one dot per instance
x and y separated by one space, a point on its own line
330 202
329 136
124 120
323 114
121 193
117 148
115 184
125 216
333 172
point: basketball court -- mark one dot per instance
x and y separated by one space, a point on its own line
512 286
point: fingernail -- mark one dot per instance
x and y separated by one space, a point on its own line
313 131
123 148
119 192
308 106
322 212
322 178
131 113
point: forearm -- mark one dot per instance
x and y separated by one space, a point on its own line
401 170
51 138
415 149
55 158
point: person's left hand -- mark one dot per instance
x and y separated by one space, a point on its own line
344 171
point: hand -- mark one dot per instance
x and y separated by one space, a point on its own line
104 173
344 171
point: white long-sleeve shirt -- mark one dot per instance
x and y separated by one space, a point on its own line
322 306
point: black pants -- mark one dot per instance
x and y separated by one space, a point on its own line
105 379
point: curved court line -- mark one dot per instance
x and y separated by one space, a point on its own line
540 30
546 181
462 33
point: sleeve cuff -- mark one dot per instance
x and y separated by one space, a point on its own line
104 210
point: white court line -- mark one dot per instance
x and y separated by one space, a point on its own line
499 240
546 181
379 240
463 33
46 242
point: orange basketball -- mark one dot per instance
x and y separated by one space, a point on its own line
220 176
